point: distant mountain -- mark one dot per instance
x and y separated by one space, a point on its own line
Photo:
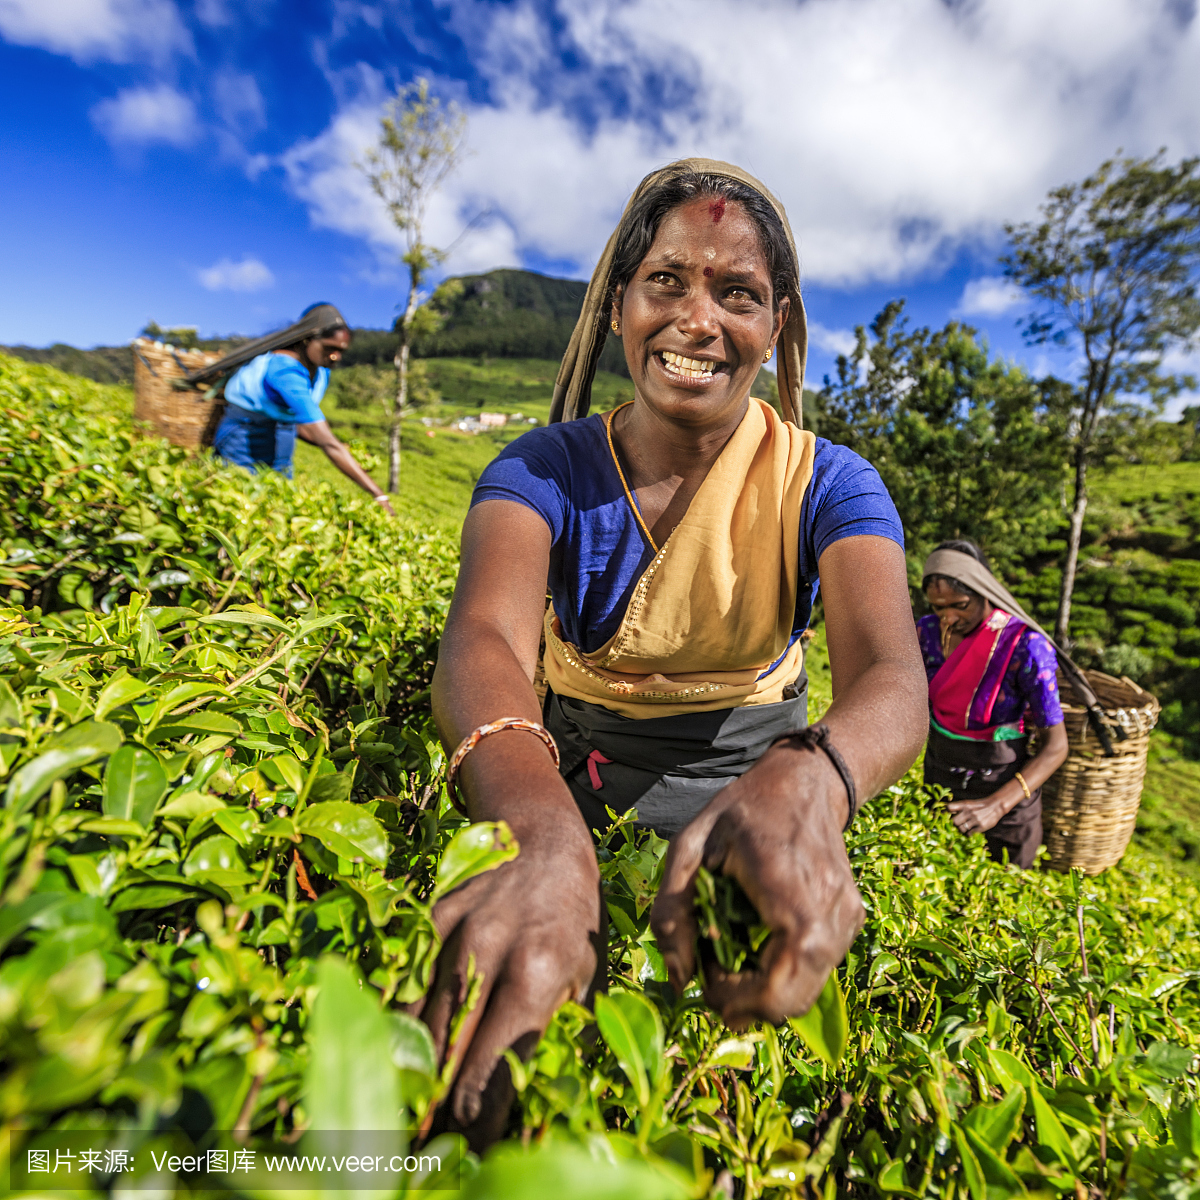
109 364
105 364
502 314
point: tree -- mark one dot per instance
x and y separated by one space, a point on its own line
1113 262
420 143
968 446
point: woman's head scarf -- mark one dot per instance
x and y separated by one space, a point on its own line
573 388
317 320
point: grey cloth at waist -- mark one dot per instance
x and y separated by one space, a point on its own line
668 768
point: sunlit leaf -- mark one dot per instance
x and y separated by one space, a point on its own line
471 851
346 830
825 1027
134 782
347 1030
118 691
633 1031
63 754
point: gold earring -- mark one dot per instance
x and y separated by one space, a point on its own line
616 328
767 356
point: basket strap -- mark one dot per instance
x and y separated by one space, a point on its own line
146 363
1091 703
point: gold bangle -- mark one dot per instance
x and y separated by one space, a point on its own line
477 735
1024 786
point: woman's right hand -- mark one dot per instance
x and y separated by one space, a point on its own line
532 928
532 925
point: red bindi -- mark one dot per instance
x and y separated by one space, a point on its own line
717 209
708 272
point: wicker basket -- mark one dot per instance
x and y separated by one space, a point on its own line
183 416
1090 804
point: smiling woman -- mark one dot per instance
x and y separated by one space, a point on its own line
681 537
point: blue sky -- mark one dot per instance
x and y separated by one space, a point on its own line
192 161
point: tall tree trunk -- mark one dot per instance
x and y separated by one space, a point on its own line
1063 622
401 401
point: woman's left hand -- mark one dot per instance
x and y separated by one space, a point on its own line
978 816
778 831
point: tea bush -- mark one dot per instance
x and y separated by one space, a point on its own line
223 829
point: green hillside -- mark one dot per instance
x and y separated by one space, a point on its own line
500 314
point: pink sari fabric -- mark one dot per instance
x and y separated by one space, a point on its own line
963 692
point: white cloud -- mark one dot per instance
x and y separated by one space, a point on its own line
832 341
238 102
991 296
249 275
895 131
92 30
151 114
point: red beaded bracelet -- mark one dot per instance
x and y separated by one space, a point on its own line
476 736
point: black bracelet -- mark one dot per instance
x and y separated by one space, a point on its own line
816 737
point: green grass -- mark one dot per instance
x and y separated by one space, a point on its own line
1168 823
438 472
1130 484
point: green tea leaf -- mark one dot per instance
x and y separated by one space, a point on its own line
10 711
201 722
218 860
556 1170
260 620
330 787
118 826
737 1053
1050 1132
412 1046
63 754
997 1174
1168 1059
825 1027
347 1030
997 1124
190 805
134 783
972 1174
480 847
633 1031
1185 1128
119 691
346 830
151 896
284 769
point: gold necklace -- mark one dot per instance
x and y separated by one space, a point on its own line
637 512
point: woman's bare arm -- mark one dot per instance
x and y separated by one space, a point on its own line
529 927
318 433
778 829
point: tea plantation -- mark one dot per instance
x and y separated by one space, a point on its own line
224 828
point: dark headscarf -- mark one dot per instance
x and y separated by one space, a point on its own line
318 320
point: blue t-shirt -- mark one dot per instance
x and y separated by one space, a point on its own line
279 387
565 473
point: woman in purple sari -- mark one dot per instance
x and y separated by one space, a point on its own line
992 678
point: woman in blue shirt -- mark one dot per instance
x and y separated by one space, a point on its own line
277 396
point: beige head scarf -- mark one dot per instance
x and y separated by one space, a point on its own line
573 388
954 564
